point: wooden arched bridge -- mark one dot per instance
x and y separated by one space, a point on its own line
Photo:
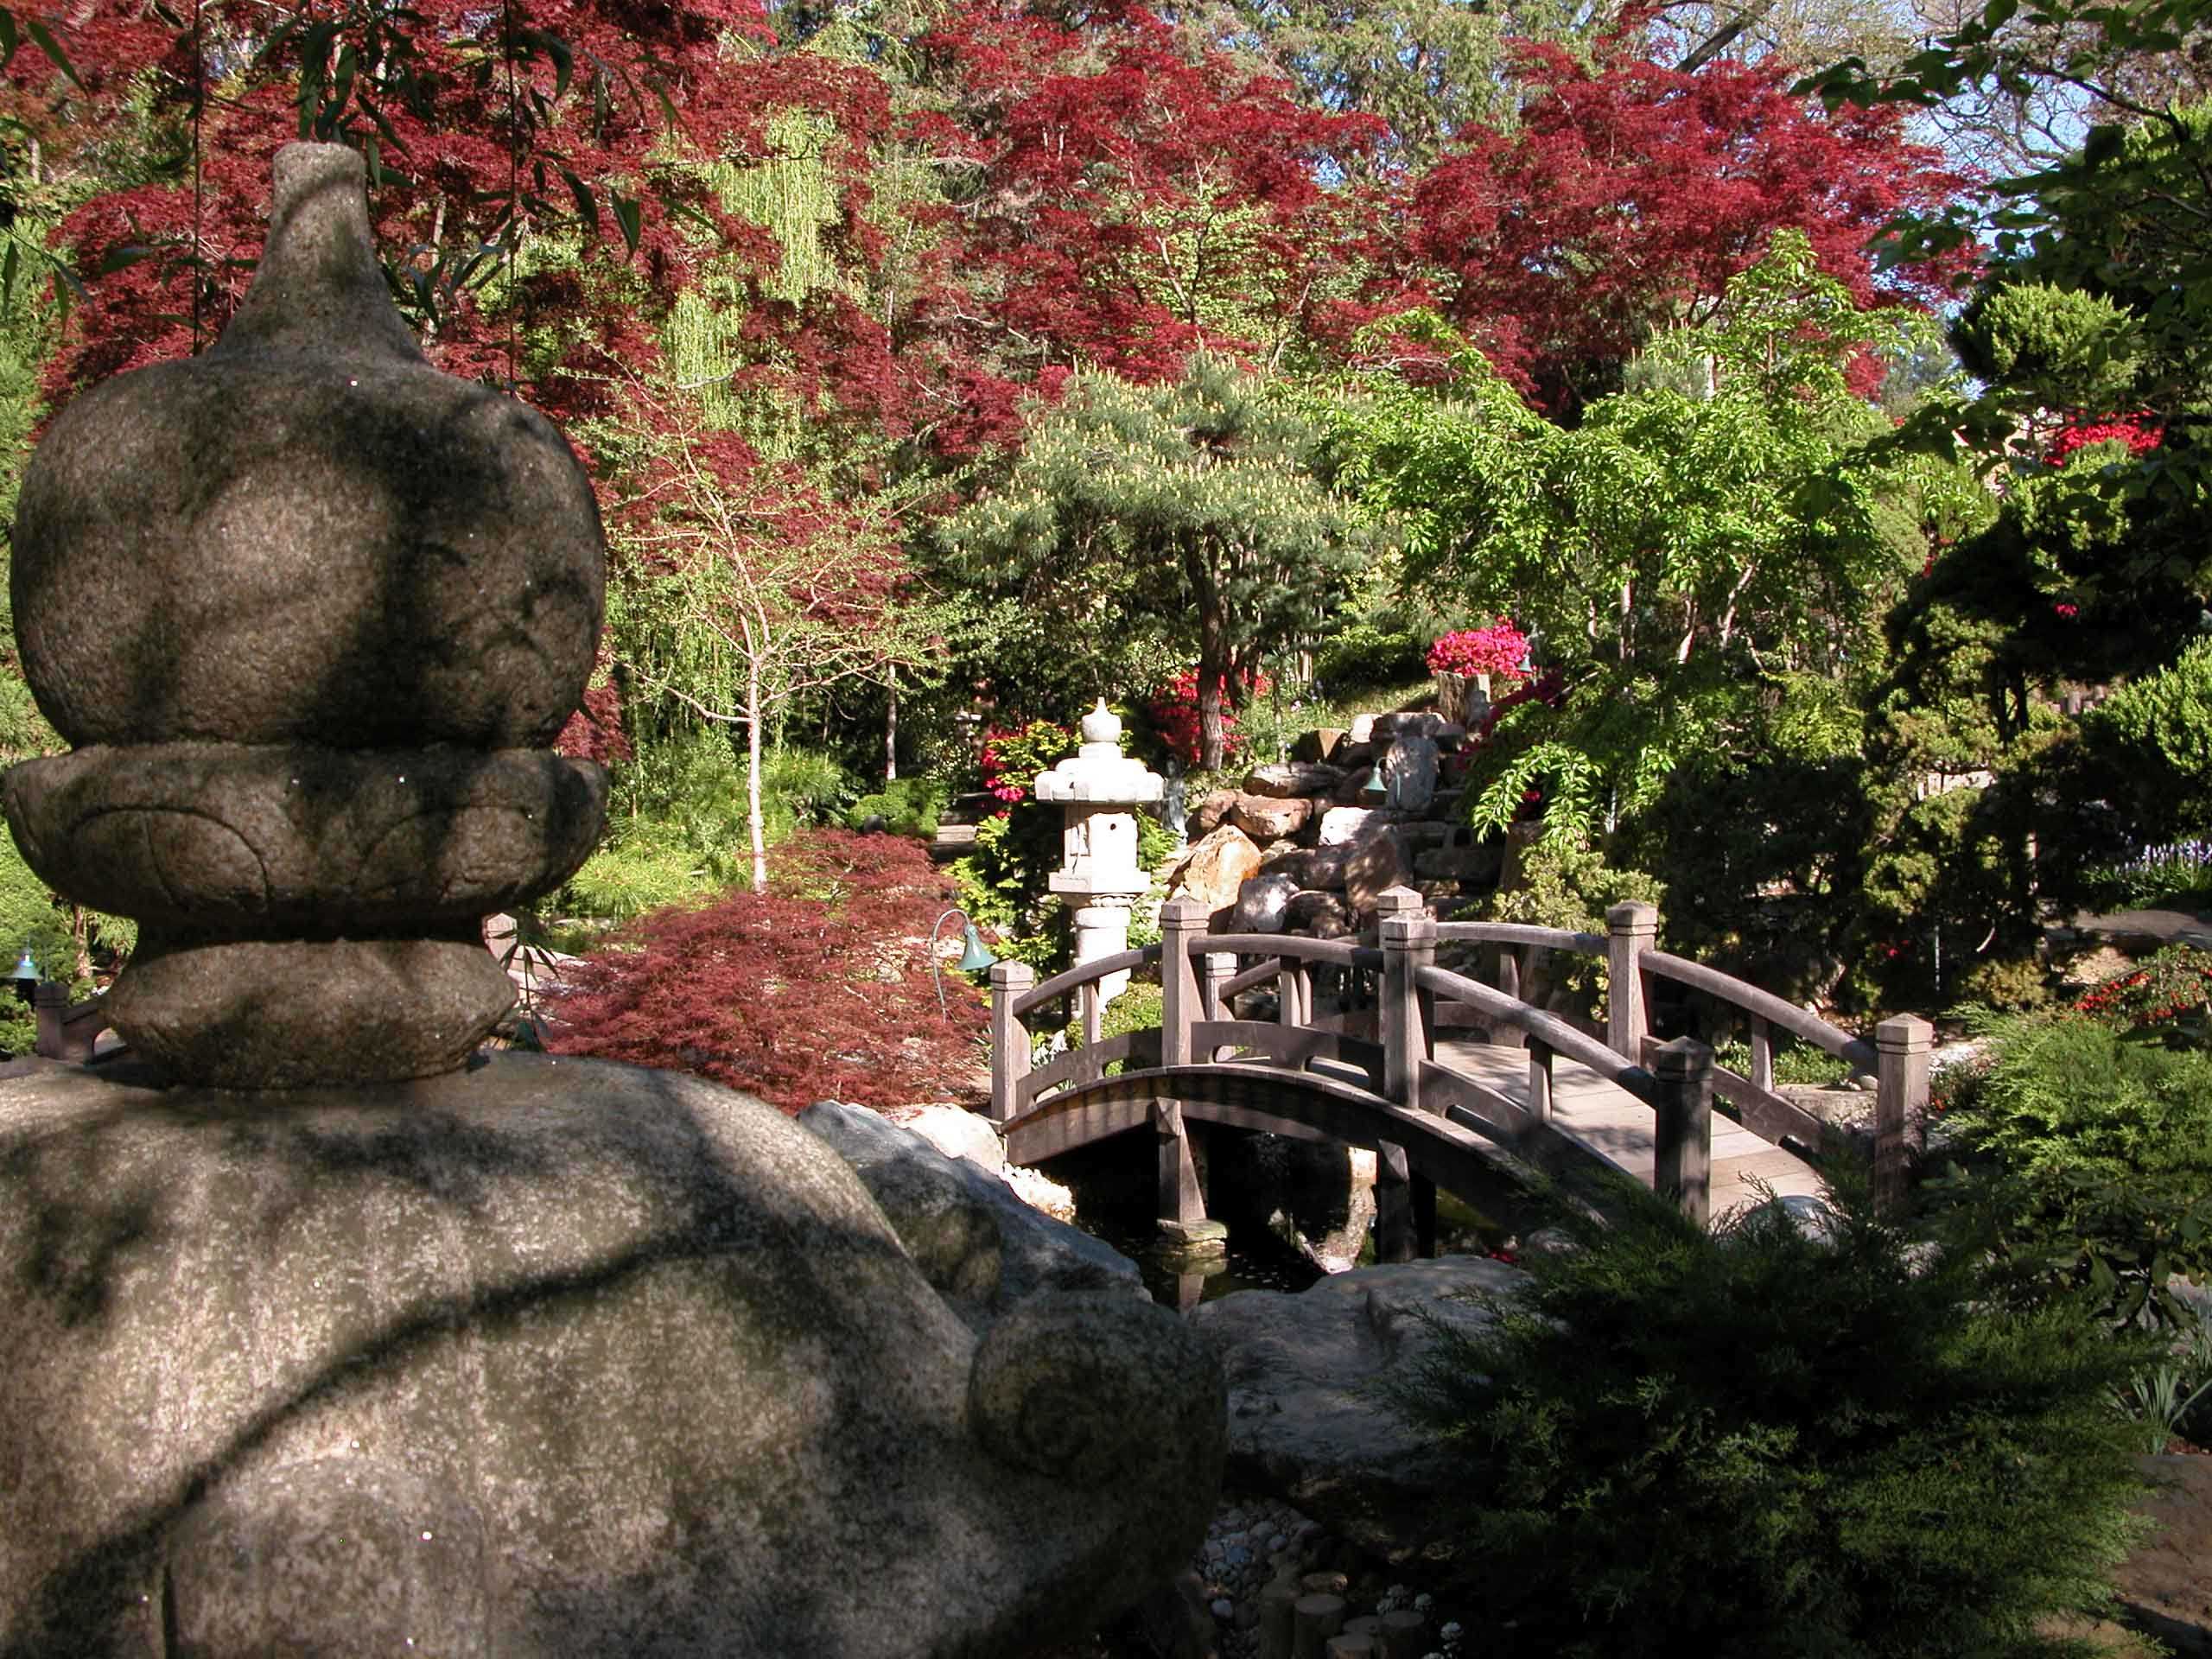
1439 1111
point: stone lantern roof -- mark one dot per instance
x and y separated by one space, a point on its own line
1098 774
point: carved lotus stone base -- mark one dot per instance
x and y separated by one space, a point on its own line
271 839
301 1014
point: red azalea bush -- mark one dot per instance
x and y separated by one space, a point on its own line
2171 993
1500 650
1174 710
2130 429
818 989
1013 757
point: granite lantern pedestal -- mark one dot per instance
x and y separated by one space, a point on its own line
329 1335
1098 789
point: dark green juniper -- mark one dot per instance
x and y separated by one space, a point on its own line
1753 1442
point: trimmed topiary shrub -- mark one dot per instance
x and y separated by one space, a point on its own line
907 806
1752 1443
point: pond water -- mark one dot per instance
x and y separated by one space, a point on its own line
1269 1192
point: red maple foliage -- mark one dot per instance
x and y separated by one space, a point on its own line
1631 192
1132 198
484 125
818 989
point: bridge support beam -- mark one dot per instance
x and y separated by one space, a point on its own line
1683 1150
1181 1200
1408 944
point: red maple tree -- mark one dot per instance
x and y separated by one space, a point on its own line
1630 194
818 989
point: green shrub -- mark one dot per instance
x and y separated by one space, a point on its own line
1367 655
2157 734
685 837
909 806
1799 1065
2085 1162
1565 882
1749 1443
2171 1397
2010 984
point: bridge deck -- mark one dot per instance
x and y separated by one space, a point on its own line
1608 1120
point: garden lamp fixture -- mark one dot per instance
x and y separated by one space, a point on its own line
1375 790
973 959
25 976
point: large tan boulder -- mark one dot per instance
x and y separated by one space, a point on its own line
1217 866
1266 819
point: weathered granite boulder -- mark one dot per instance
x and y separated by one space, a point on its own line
547 1359
1478 862
977 1244
1318 915
1377 865
1210 811
1304 1422
1289 779
1408 768
1216 866
1313 868
1348 826
956 1132
1266 818
1260 906
1319 745
1417 722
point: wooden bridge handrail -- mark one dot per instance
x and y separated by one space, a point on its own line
1764 1005
1339 953
1546 1028
1268 967
1551 938
1085 974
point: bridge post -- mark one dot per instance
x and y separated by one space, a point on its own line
1181 921
1902 1046
1683 1150
1634 928
1009 1038
1402 1199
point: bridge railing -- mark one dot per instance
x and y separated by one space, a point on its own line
1898 1058
1198 977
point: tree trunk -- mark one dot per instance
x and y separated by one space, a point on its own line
891 727
1213 686
755 826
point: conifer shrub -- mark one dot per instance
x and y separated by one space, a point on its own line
2081 1153
1753 1442
818 989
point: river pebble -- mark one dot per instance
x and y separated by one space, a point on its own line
1255 1540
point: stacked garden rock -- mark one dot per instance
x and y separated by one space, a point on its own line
1302 848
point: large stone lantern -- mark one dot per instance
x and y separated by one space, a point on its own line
328 1334
1099 789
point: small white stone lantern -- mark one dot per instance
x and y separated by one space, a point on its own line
1099 789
